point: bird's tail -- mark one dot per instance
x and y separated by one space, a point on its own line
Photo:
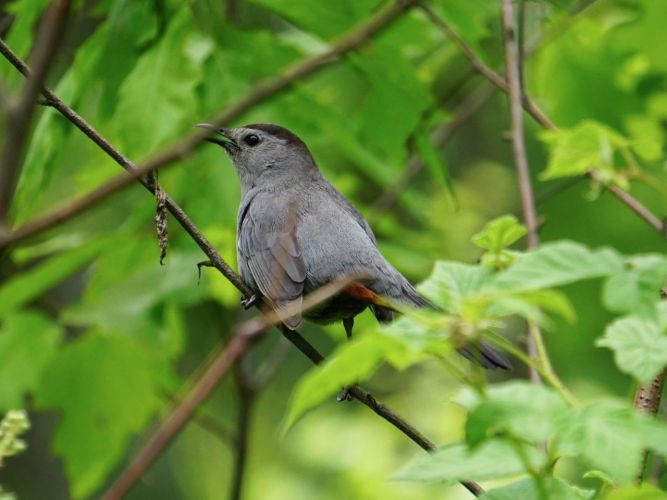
478 352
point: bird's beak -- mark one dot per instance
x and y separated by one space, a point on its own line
222 136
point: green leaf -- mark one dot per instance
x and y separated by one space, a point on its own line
610 437
29 285
323 18
20 36
451 282
469 19
391 79
647 137
105 57
573 151
27 342
130 300
163 84
551 301
351 363
540 488
520 409
499 234
644 491
559 263
635 289
432 158
103 388
493 459
639 344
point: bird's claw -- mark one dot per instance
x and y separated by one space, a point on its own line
344 395
249 302
204 263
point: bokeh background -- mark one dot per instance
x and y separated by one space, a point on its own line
112 339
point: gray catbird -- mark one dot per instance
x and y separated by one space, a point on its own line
296 233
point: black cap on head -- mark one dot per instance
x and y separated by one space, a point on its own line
279 132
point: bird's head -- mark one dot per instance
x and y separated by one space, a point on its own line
264 153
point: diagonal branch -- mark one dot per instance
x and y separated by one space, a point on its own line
356 37
487 72
534 110
224 362
19 115
243 338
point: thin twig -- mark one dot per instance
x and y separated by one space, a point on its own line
250 380
514 72
215 259
246 401
350 41
208 380
19 115
181 416
521 44
539 116
647 400
207 423
491 75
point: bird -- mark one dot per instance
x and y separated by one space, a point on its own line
296 233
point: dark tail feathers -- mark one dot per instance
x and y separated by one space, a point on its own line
486 356
479 352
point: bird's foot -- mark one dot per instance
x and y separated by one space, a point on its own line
204 263
249 302
344 395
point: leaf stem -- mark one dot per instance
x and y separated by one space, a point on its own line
545 371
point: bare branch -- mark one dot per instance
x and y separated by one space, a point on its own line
531 108
207 423
181 414
243 337
19 115
496 79
350 41
240 342
647 400
513 59
514 75
247 391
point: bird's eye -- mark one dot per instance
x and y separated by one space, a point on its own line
251 140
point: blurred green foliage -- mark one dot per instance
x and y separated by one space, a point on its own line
96 338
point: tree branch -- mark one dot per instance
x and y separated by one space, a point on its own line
182 413
19 115
482 68
250 380
516 113
246 401
245 335
240 343
513 58
647 400
346 43
531 108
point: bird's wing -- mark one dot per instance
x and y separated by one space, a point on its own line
268 243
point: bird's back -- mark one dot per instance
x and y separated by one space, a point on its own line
340 243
